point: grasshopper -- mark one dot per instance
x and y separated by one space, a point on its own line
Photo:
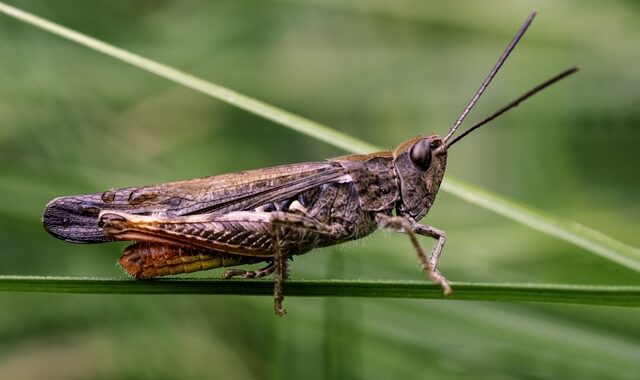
270 215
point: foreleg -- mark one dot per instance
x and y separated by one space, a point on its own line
411 228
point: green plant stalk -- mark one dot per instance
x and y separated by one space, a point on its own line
591 240
277 115
628 296
582 236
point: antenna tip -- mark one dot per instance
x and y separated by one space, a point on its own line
571 70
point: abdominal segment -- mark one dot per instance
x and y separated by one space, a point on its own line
148 260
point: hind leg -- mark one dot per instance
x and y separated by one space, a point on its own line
241 273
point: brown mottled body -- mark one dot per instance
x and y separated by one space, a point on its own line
269 215
272 215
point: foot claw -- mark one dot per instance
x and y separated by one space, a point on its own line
439 279
241 273
231 273
446 289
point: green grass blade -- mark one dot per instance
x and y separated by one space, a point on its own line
503 292
589 239
572 232
277 115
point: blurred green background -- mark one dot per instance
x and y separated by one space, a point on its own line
75 121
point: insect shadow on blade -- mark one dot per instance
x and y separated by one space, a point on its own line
269 215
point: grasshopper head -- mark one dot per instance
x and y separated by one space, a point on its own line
419 164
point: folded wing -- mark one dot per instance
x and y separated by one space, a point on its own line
75 218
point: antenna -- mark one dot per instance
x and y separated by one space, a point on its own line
489 77
515 102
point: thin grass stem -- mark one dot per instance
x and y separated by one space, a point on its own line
628 296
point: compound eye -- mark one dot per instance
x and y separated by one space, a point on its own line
420 154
